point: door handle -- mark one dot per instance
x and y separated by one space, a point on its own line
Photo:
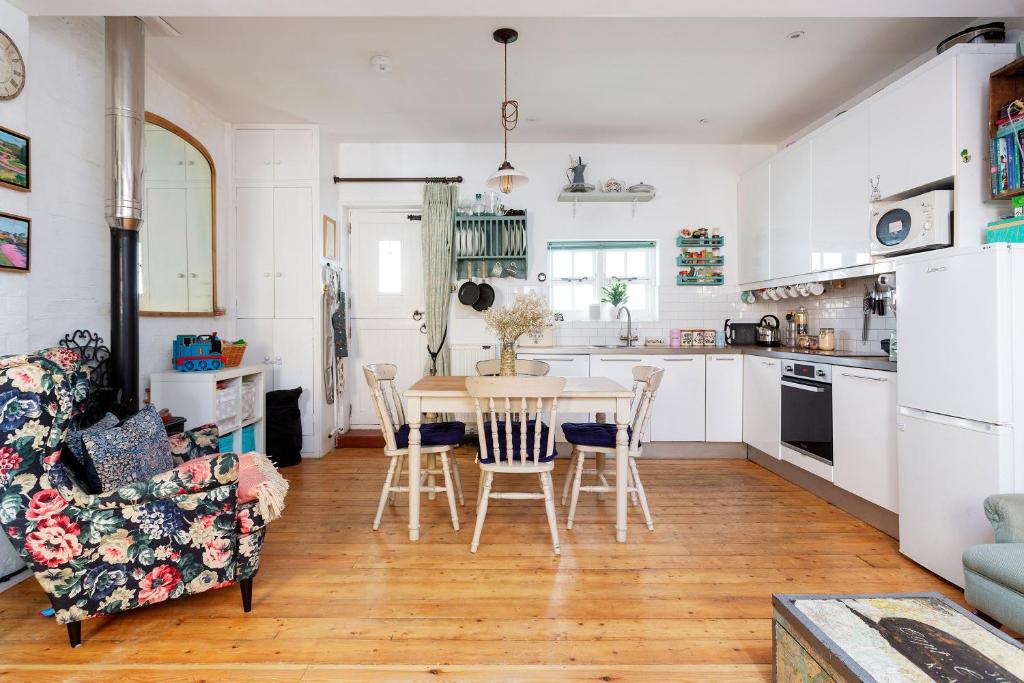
873 379
728 358
621 360
279 274
804 387
417 315
556 360
423 328
677 360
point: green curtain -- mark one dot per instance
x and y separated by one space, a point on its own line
438 229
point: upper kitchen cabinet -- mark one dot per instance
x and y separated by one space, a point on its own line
281 154
840 193
753 214
791 211
913 131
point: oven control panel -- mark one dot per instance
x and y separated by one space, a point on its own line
815 372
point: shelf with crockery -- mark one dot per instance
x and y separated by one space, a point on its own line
700 261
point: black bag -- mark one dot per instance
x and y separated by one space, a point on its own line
284 427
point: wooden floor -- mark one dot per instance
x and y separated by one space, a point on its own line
336 601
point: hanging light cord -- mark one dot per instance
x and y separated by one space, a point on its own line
509 108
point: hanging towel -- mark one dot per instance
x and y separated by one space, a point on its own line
338 323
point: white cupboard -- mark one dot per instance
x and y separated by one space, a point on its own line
284 348
723 403
913 130
840 193
753 214
576 365
791 211
864 434
678 413
762 404
274 154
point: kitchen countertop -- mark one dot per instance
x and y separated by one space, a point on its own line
846 359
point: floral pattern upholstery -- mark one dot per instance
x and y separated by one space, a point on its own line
178 533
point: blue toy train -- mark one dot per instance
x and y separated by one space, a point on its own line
192 352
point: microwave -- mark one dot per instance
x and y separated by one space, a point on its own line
913 224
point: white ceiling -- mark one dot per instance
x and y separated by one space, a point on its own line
577 80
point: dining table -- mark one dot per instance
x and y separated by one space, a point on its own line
448 394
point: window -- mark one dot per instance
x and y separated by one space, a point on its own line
389 267
579 270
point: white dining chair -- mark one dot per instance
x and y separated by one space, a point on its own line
507 446
599 438
438 441
524 367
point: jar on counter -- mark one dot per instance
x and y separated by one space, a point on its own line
827 339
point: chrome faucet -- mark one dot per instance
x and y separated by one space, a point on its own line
630 337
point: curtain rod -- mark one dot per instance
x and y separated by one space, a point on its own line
428 179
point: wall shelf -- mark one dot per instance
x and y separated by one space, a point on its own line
700 262
700 242
619 197
698 280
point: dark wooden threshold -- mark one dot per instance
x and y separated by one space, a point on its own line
360 438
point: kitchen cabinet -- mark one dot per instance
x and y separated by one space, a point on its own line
619 368
864 434
284 348
723 402
762 404
791 211
753 215
266 154
678 413
913 130
564 365
840 195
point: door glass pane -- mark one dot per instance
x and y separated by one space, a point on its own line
389 267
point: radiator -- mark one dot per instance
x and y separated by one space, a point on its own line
465 356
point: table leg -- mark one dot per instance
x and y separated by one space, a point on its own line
414 468
621 467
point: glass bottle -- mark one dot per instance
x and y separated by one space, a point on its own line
827 339
478 205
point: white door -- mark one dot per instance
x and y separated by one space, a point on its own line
254 228
864 434
932 291
913 131
166 276
762 404
947 467
254 154
753 214
840 194
723 405
678 413
386 305
293 252
564 366
293 154
791 211
293 360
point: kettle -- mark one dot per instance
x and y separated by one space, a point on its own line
768 332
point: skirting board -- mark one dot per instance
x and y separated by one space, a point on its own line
885 521
681 450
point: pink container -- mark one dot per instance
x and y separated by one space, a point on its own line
673 338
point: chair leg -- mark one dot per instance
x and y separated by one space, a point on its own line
641 494
978 613
577 481
431 479
457 477
449 490
481 511
246 586
599 462
549 506
397 480
568 476
75 633
385 493
632 487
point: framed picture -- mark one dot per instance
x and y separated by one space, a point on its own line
14 242
330 238
15 160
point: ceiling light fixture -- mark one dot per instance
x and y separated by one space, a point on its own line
507 178
795 35
381 63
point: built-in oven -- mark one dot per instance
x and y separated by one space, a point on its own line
807 409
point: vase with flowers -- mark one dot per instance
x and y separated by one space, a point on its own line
528 313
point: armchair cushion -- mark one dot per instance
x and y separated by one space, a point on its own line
75 443
597 434
135 450
1002 563
1006 512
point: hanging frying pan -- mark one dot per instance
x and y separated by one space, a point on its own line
469 293
486 297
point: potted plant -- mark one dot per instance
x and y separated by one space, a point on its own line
528 313
616 294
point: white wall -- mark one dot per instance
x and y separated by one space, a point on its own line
696 186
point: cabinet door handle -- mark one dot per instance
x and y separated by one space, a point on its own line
678 360
181 274
266 274
768 362
621 360
279 274
728 358
556 360
873 379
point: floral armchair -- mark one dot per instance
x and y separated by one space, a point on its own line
179 533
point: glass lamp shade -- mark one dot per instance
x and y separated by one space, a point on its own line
507 178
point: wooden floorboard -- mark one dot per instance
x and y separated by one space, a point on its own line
336 601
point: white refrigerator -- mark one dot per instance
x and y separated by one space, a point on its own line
959 327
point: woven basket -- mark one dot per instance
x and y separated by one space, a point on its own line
233 354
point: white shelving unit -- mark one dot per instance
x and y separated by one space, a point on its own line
217 396
621 197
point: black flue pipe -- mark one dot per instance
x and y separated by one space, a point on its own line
124 316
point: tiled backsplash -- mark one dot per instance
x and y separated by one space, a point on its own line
843 309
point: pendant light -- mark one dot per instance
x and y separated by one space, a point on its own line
507 178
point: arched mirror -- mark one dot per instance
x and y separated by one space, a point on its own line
178 246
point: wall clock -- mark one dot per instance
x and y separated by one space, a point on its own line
12 68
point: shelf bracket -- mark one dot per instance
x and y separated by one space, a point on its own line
575 203
634 209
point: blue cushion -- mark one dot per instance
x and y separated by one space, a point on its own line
135 450
531 432
433 434
592 433
74 442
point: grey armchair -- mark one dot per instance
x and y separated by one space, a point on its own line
994 572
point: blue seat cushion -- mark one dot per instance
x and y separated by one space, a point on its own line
592 433
531 434
433 434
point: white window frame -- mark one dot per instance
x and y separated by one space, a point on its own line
601 279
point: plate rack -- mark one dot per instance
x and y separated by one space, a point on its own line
482 242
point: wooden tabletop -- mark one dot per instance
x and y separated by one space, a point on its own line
574 386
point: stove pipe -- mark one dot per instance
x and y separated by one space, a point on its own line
125 119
